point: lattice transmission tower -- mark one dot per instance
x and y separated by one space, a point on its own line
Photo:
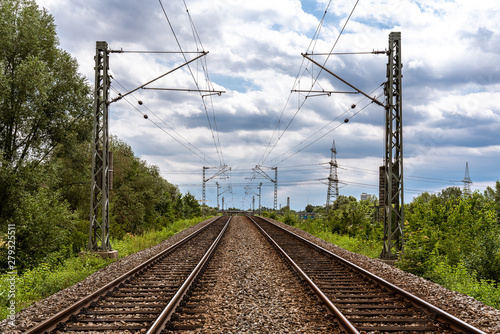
467 181
333 180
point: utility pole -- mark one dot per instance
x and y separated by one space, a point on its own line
102 159
100 184
260 192
393 169
467 181
218 208
248 190
222 169
258 169
391 174
333 180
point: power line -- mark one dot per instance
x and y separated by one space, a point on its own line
315 80
319 138
313 41
202 156
216 142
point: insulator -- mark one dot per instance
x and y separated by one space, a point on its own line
145 116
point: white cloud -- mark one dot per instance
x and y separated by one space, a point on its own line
451 79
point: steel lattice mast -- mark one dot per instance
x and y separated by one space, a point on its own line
100 184
391 174
333 180
393 199
258 170
221 170
467 181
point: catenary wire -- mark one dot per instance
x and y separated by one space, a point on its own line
202 157
166 124
315 80
217 147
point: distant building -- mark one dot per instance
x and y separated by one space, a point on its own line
365 196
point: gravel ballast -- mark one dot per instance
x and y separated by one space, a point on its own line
256 292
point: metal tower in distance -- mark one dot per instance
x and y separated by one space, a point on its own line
333 180
467 181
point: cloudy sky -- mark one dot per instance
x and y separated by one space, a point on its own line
451 95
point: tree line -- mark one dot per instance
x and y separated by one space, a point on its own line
45 157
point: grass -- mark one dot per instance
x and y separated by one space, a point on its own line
131 243
44 280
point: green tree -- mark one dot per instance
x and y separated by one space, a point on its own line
191 207
44 101
348 216
493 195
140 198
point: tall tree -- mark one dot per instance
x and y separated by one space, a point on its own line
44 101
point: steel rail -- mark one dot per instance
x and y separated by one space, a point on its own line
344 324
454 322
63 315
166 314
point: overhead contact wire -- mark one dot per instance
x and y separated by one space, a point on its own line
217 148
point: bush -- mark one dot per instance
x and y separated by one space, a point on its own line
43 226
458 278
290 219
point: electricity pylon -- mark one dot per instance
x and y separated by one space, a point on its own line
467 181
333 180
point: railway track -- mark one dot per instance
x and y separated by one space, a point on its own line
360 301
145 297
180 288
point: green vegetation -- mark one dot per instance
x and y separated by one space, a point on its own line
131 243
454 239
348 224
319 227
50 277
451 238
